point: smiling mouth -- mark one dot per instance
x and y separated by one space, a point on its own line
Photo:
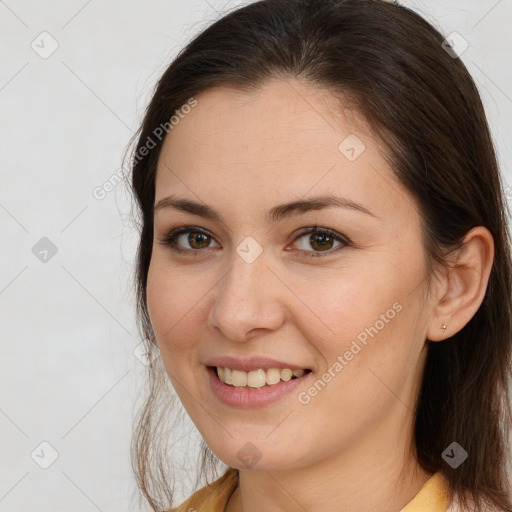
257 378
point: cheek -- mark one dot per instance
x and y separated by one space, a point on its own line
173 307
339 307
368 318
374 351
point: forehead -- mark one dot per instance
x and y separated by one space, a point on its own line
304 117
277 142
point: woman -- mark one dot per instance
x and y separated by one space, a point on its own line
324 265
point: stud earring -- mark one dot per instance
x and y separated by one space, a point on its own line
444 327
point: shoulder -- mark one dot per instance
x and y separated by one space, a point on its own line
438 486
211 497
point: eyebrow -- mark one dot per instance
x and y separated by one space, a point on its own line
275 214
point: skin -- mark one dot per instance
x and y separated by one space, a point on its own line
350 448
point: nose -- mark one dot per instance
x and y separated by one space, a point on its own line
247 300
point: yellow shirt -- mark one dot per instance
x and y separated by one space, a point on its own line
432 497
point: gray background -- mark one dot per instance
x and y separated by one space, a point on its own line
69 376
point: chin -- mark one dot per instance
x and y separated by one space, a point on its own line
253 456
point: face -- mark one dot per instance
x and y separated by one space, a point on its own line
250 287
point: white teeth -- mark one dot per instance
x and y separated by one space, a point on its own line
273 376
257 378
286 374
238 378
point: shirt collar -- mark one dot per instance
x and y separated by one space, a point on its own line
432 497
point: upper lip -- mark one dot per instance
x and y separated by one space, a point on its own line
250 364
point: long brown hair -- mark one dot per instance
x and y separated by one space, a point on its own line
423 104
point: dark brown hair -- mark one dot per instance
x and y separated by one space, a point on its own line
423 104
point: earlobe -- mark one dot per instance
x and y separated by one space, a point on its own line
465 285
437 332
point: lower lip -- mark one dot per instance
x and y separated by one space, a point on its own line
247 397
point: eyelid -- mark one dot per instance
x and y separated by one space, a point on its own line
317 229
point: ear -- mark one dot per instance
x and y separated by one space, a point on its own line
462 287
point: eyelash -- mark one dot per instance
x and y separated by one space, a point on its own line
170 240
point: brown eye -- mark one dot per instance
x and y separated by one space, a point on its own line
322 241
188 239
200 239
